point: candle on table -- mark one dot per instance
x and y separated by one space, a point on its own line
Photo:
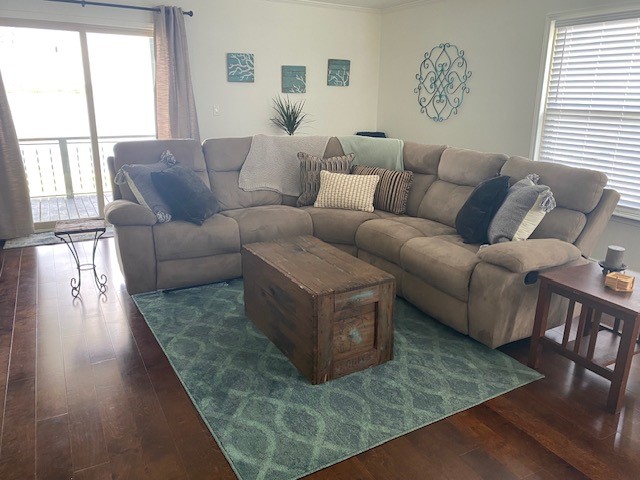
614 257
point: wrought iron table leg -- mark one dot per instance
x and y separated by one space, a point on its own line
100 280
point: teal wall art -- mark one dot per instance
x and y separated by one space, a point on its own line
294 79
240 67
338 73
442 82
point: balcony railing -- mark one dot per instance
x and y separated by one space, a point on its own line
62 183
64 166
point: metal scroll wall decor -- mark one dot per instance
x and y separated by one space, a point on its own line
442 82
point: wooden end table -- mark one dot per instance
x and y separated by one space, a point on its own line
64 230
585 285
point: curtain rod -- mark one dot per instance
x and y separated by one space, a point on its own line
116 5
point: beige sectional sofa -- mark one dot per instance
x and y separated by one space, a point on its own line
488 294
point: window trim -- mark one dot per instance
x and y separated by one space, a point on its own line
559 20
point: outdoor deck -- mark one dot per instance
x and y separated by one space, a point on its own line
52 209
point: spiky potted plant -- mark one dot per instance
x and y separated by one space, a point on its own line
289 115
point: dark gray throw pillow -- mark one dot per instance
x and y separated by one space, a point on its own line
186 194
476 214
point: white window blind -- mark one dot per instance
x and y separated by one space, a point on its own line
591 114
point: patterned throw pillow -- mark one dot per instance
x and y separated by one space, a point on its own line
310 167
138 178
392 191
523 209
350 192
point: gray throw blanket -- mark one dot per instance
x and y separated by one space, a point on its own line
273 164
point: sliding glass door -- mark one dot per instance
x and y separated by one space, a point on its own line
73 94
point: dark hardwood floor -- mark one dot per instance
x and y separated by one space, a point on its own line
87 393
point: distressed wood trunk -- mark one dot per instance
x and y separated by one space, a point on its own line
330 313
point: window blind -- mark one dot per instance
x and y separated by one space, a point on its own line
591 115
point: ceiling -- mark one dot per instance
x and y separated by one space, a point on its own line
373 4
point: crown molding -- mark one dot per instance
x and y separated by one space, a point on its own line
321 4
408 4
324 4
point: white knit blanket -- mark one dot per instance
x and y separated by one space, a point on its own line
273 164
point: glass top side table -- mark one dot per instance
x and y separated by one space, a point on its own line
64 230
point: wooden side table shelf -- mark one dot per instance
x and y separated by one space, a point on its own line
585 285
64 230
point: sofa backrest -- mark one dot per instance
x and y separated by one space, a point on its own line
224 158
577 192
187 152
423 161
458 173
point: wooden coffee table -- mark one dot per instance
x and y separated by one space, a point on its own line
585 285
330 313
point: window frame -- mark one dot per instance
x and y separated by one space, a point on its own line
565 19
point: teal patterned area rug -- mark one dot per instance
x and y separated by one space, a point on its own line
272 424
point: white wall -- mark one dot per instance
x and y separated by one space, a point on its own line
284 34
503 42
278 34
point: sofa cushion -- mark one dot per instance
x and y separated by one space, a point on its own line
459 171
428 228
180 240
561 223
423 161
384 238
421 183
392 190
335 225
231 197
459 241
443 201
351 192
225 154
310 167
186 194
469 167
440 262
266 223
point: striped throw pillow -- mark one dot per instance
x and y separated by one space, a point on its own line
310 167
350 192
393 189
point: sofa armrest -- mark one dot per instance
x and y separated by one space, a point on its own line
128 213
530 255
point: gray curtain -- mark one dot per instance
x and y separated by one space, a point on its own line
175 107
15 204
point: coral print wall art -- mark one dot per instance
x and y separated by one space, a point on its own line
338 73
294 79
240 67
